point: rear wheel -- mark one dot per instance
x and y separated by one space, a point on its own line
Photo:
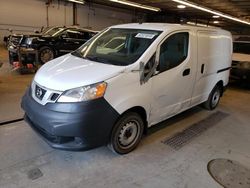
213 99
46 54
127 133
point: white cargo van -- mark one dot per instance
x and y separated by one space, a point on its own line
124 80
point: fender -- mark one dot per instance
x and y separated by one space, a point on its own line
133 93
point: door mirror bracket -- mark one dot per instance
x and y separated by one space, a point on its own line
146 71
141 72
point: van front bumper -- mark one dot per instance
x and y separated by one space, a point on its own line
71 126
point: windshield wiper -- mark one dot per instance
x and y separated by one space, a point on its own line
91 58
98 59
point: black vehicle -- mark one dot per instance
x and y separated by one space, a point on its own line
14 41
241 60
6 40
51 43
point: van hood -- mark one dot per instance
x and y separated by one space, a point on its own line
68 71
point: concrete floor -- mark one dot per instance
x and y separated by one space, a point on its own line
152 164
12 87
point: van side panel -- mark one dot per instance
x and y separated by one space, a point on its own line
214 52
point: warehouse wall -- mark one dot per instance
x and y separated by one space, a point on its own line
25 16
98 17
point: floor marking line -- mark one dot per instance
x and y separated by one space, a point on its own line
11 121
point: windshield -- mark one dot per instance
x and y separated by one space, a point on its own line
45 30
51 32
117 46
241 47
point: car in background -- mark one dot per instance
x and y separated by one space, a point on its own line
241 60
53 42
6 40
14 40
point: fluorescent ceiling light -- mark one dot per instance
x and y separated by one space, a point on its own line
138 5
77 1
181 6
216 16
196 6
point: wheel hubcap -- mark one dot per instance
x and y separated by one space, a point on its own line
46 55
215 98
128 134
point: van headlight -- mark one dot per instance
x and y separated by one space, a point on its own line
85 93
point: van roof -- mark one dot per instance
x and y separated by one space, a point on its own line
161 26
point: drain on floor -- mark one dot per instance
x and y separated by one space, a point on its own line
182 138
34 173
229 174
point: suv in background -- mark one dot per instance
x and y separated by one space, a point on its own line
241 60
53 42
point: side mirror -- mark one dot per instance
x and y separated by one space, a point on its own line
148 70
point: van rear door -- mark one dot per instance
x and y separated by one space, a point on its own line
173 83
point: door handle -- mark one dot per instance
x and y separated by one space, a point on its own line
186 72
202 68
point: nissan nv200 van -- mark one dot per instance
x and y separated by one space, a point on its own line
124 80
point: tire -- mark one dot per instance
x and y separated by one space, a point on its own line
213 99
126 134
46 54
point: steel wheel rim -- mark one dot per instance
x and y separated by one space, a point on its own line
129 134
215 98
46 55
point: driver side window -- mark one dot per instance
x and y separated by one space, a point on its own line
173 51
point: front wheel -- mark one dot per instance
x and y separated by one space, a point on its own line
213 99
126 133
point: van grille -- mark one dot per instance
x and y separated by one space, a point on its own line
43 95
54 96
39 92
